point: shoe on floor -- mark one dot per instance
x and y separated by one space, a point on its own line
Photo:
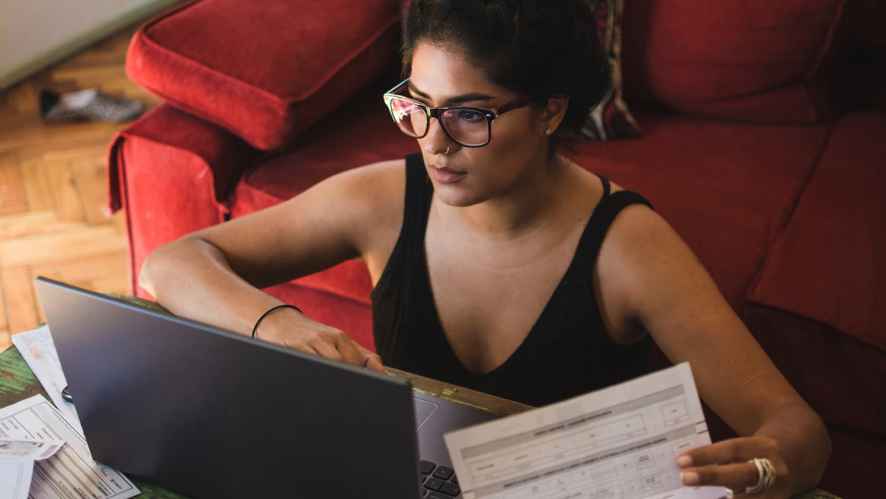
88 105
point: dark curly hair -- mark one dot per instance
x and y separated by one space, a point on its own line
538 48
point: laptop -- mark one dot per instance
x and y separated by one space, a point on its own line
210 413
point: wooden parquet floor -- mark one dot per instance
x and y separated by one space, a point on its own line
53 188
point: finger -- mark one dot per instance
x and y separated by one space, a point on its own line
349 350
326 350
304 348
734 450
735 476
371 359
374 362
365 351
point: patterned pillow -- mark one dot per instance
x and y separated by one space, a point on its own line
610 118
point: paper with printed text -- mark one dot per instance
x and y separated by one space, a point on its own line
620 442
70 471
38 350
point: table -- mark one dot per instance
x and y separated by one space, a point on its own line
17 382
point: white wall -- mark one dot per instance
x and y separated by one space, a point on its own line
36 33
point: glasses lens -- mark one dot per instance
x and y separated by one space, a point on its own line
410 117
468 127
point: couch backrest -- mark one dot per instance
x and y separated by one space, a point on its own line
750 60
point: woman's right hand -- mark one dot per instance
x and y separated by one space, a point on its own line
291 329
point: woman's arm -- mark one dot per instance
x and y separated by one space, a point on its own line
214 275
664 289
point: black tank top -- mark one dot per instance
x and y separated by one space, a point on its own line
566 353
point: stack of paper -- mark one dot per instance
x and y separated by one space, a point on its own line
43 453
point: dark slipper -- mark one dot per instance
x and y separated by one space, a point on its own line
89 105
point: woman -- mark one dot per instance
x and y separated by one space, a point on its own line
489 214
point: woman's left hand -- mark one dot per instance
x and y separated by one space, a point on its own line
728 464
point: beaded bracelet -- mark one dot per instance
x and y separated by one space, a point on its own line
268 311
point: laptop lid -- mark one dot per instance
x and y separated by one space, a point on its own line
209 413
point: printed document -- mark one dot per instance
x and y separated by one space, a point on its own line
38 350
15 477
70 472
620 442
17 464
30 450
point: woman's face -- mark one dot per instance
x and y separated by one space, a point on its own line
465 176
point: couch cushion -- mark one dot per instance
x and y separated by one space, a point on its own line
727 188
855 467
830 262
755 60
832 371
264 70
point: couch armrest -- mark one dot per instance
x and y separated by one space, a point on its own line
172 173
224 155
265 70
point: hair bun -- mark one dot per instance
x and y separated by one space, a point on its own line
536 48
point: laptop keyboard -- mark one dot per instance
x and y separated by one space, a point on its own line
437 482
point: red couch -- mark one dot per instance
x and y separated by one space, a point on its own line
764 138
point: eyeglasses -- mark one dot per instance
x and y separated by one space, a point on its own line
467 126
